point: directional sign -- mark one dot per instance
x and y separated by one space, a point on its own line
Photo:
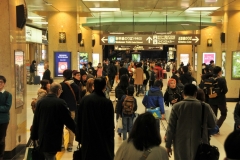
137 47
167 39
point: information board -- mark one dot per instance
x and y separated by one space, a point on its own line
172 39
62 61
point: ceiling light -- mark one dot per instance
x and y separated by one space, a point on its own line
116 33
202 8
35 17
211 1
40 22
185 24
100 0
104 9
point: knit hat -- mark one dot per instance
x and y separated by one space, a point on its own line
74 72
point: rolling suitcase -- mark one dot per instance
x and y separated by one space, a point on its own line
36 80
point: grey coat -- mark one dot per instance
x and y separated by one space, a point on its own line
184 128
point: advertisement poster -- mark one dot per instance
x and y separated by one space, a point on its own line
95 57
207 57
195 63
62 61
223 63
236 65
83 59
136 57
40 69
184 58
19 73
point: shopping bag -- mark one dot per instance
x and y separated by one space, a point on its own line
119 123
155 112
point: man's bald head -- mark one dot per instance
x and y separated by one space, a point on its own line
55 88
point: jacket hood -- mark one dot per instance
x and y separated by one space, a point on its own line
69 81
41 91
155 89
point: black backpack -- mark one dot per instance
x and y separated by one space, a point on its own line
211 87
168 68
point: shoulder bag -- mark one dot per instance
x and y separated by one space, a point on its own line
71 91
206 151
145 154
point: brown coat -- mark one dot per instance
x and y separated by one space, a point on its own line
138 80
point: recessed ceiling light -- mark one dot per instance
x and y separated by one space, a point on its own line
116 33
40 22
104 9
202 8
35 17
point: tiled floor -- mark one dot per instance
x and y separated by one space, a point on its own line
217 140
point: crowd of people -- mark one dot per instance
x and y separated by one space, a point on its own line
81 102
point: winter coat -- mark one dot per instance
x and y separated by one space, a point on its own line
95 127
171 94
154 98
128 151
5 105
221 98
138 80
47 74
49 119
68 96
184 127
186 78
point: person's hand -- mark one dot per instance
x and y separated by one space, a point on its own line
169 152
174 101
163 117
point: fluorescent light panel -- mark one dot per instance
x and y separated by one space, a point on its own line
116 33
202 8
40 22
104 9
35 17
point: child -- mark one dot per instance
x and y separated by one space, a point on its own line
126 108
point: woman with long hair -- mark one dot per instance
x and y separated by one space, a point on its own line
89 86
143 142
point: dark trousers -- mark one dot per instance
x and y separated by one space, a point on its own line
223 110
151 84
50 155
138 88
3 130
111 80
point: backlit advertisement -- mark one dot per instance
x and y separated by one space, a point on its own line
62 61
207 57
236 65
184 58
83 59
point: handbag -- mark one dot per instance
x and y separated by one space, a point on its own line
77 155
206 151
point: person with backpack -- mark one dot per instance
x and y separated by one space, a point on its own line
217 94
186 76
154 98
126 108
173 93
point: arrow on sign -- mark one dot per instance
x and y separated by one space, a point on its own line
149 39
196 39
103 39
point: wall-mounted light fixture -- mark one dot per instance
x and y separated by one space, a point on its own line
62 37
209 42
93 40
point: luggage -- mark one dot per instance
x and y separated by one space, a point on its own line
36 80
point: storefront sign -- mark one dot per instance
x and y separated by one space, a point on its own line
62 61
193 39
137 47
33 35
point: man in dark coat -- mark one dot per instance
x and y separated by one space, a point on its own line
47 73
32 72
186 76
95 124
49 119
123 71
71 95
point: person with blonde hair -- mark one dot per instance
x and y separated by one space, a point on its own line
89 86
173 93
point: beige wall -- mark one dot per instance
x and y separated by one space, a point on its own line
17 125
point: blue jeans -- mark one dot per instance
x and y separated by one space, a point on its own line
127 125
50 155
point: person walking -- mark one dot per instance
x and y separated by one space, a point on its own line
46 73
32 72
138 80
5 105
49 119
95 124
184 127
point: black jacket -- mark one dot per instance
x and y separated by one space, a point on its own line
221 98
237 114
68 96
50 116
123 71
186 78
95 127
47 74
172 94
32 68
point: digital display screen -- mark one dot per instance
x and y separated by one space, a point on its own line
83 59
136 57
236 65
62 61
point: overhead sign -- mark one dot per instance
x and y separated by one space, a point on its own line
137 47
167 39
33 35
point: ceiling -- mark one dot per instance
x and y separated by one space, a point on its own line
135 15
